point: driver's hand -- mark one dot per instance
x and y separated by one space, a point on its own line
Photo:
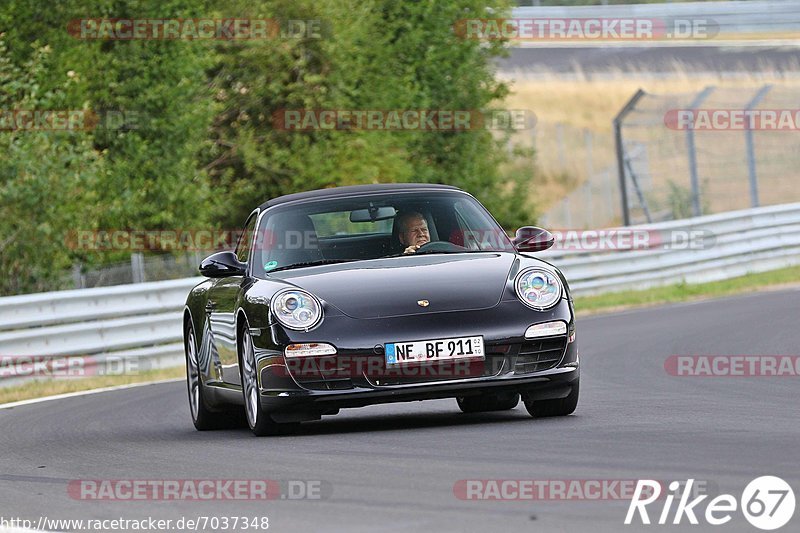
411 249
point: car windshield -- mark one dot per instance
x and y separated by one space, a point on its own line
359 228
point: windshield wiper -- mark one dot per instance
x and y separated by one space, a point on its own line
448 252
310 263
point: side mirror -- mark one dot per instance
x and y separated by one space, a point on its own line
222 265
533 239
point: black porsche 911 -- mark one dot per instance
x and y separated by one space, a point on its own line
353 296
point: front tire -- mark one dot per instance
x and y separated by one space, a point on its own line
558 407
261 424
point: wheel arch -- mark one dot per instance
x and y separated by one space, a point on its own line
189 319
241 322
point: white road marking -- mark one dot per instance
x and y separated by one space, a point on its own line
84 393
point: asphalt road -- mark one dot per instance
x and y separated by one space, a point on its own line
638 59
393 467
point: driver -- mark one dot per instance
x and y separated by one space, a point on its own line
413 231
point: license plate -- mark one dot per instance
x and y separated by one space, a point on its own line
398 353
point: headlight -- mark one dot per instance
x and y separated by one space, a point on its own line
296 309
538 288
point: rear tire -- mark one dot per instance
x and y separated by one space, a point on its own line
488 402
203 418
558 407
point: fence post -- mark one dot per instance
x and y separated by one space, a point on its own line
589 143
562 158
626 215
639 193
748 138
690 147
589 197
608 186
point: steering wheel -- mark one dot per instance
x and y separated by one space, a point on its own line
440 246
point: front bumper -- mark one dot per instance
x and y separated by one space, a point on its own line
289 406
545 368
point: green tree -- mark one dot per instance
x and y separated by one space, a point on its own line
48 180
375 54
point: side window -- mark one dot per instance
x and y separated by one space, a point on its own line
246 239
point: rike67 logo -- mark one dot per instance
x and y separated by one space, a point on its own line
767 502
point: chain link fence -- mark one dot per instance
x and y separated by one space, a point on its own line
577 170
715 150
139 269
682 155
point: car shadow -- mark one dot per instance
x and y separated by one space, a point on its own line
406 421
372 423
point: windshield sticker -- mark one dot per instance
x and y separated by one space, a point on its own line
269 266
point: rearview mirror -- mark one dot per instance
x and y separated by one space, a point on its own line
222 265
373 214
533 239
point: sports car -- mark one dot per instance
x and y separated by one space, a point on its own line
359 295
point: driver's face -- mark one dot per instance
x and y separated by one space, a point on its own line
415 232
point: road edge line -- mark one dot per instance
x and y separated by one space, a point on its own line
30 401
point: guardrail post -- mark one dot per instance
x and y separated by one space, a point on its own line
137 267
748 138
78 277
690 147
623 191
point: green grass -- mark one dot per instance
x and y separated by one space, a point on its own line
42 388
683 291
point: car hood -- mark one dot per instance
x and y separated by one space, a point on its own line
393 286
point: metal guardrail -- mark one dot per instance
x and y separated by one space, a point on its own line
110 326
143 321
748 241
756 16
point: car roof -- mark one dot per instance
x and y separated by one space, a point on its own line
338 192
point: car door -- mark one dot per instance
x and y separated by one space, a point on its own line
221 307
